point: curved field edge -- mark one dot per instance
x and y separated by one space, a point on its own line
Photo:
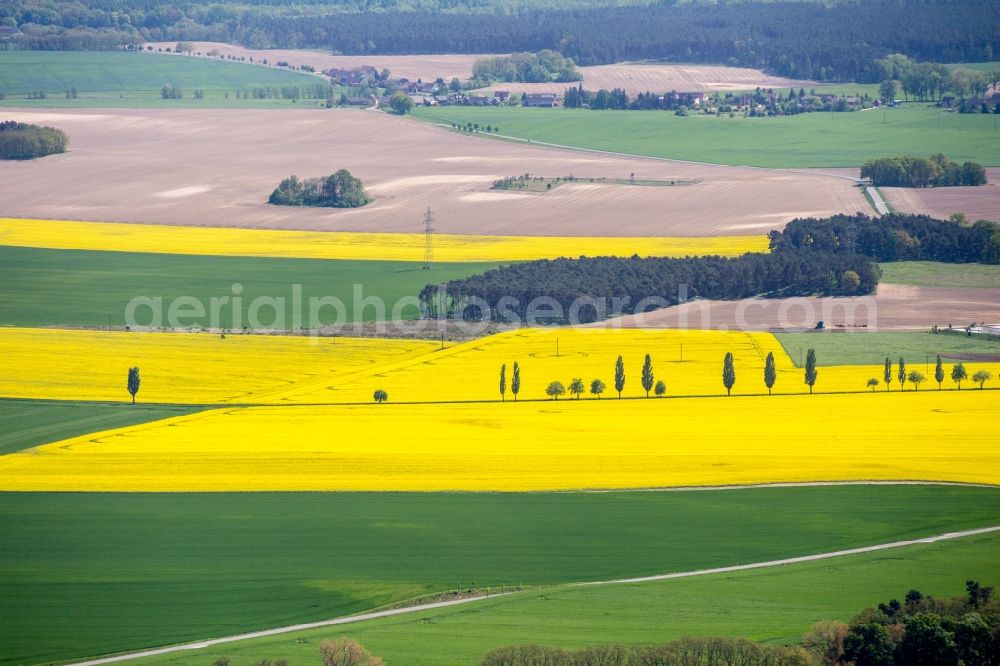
117 572
806 140
236 242
775 605
28 423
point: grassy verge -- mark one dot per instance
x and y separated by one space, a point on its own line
936 274
93 573
806 140
863 348
41 287
126 79
28 423
775 605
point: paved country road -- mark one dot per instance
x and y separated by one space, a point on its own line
445 604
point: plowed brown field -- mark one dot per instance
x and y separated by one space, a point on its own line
217 168
978 203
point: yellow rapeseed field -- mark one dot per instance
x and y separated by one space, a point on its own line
191 368
70 235
201 368
535 446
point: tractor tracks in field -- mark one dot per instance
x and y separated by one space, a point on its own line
420 608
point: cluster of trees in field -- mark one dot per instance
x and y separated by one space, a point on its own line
340 190
935 171
921 630
542 67
648 380
22 141
958 375
839 42
894 237
929 80
684 652
509 291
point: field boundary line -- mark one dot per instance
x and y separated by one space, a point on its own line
351 619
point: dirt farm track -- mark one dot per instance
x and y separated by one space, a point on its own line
217 168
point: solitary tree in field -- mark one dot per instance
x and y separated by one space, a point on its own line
982 377
400 104
770 374
619 376
503 382
872 384
576 387
660 389
647 375
133 382
916 378
728 373
555 389
811 369
958 374
901 373
515 381
597 388
939 372
887 374
380 396
346 652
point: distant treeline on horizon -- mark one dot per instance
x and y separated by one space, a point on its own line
807 40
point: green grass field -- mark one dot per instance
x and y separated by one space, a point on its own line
41 287
775 605
28 423
863 348
936 274
806 140
92 573
126 79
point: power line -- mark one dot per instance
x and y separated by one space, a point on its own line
428 239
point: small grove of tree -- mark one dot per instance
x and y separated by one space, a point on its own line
770 373
576 387
937 171
380 396
619 376
503 382
597 388
171 91
555 389
811 372
939 372
400 104
920 631
887 373
684 651
916 378
515 381
542 67
660 389
728 373
133 382
873 384
22 141
340 190
647 375
347 652
959 374
982 377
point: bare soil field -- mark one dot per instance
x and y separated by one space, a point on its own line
425 67
894 307
636 77
978 203
217 168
